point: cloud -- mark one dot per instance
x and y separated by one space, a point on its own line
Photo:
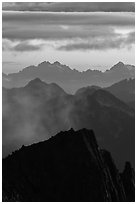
56 33
96 42
31 25
100 41
70 6
9 63
131 38
20 46
99 18
30 31
24 46
101 44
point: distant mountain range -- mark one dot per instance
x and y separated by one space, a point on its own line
70 80
39 110
69 167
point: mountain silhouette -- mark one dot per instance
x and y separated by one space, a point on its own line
35 112
87 90
108 117
68 167
70 80
124 90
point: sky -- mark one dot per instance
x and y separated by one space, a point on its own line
82 35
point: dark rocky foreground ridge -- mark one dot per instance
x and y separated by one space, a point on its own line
68 167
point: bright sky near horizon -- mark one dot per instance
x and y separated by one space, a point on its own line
82 40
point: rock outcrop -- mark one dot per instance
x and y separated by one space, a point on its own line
68 167
128 179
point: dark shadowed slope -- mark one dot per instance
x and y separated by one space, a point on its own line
38 110
128 179
132 104
67 167
70 80
87 90
111 119
124 90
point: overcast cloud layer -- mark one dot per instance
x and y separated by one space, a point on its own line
69 6
53 34
74 31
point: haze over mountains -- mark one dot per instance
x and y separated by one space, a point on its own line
39 110
70 80
68 101
42 100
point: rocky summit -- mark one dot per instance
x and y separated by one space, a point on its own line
68 167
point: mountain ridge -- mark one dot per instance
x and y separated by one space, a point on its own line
68 167
123 90
74 69
69 79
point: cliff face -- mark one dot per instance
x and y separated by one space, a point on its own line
67 167
128 179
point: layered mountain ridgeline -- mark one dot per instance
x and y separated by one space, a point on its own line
38 110
70 80
124 90
68 167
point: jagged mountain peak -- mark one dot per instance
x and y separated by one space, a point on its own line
39 86
44 63
36 82
118 65
67 78
57 63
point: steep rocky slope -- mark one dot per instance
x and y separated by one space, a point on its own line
68 167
